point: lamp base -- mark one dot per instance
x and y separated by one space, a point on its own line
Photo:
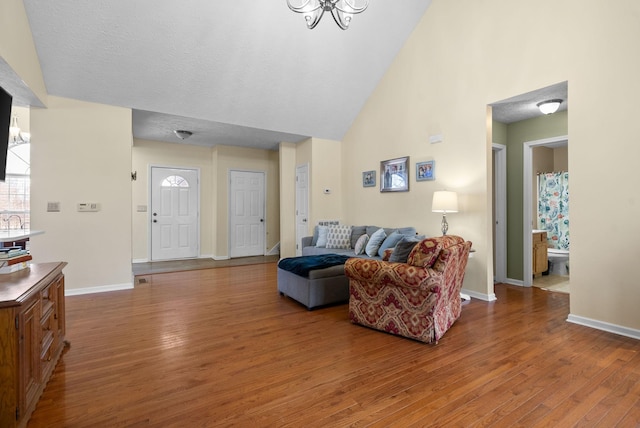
444 225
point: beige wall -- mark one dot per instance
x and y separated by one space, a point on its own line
81 152
17 48
456 62
153 153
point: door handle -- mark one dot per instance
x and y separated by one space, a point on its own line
155 221
261 220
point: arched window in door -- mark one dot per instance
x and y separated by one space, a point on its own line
175 181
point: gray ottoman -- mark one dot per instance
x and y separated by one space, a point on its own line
322 287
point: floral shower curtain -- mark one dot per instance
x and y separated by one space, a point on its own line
553 208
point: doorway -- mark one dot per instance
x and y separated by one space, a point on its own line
302 205
499 152
174 219
529 193
246 216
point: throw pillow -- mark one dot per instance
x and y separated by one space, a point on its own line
403 248
389 242
339 237
361 243
314 239
322 236
374 243
370 230
356 233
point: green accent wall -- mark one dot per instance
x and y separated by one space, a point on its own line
518 133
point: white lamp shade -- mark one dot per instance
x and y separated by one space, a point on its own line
444 202
549 107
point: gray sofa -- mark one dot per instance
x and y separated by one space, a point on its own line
309 247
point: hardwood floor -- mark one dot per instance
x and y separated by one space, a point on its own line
221 347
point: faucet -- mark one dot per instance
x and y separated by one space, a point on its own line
8 220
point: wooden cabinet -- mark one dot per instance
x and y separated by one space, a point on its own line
32 328
539 252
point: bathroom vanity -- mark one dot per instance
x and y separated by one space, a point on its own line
540 262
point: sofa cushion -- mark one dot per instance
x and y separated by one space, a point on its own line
407 231
339 236
389 242
370 230
375 240
322 236
426 252
356 233
361 244
403 248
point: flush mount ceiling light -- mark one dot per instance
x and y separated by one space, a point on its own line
549 107
182 134
341 10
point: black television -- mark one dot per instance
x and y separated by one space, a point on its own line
5 122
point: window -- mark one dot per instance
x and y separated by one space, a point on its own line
16 189
175 181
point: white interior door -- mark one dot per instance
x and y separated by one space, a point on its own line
302 205
174 213
247 220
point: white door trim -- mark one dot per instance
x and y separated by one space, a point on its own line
527 191
150 205
304 222
264 207
500 195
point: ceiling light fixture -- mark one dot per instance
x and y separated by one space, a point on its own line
16 136
549 107
182 134
341 10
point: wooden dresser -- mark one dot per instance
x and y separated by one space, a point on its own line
32 329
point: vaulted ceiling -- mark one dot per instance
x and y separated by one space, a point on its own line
241 72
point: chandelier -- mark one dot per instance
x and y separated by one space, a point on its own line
341 10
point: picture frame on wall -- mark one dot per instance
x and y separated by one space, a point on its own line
394 175
369 179
425 171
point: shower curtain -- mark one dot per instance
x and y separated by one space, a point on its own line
553 208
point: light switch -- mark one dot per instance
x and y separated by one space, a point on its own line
88 207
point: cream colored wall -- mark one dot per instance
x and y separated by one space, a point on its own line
81 152
17 48
227 158
455 63
147 153
561 159
287 174
326 173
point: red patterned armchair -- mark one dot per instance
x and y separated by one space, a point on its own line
419 299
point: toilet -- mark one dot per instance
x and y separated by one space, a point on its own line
558 260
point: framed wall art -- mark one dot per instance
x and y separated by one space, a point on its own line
369 179
425 171
394 175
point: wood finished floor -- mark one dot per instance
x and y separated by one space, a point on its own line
220 347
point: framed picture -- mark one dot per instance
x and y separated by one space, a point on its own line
369 179
425 171
394 175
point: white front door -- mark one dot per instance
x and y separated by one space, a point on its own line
174 213
246 217
302 205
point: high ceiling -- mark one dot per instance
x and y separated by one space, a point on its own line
239 72
244 73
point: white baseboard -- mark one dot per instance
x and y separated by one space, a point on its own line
98 289
604 326
220 257
140 261
511 281
481 296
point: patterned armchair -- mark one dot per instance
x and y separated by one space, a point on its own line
419 299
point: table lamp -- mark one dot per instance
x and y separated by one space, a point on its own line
444 202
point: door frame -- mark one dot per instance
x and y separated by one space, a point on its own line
150 207
264 207
499 152
527 204
299 238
